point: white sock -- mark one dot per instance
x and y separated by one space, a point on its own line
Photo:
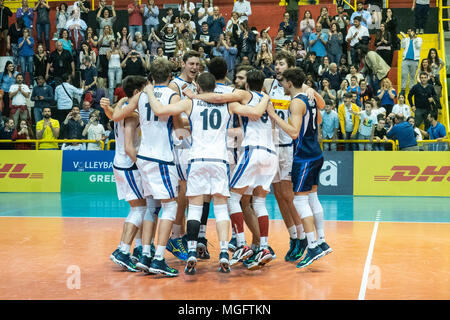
240 239
263 243
120 245
301 232
138 242
159 254
125 248
146 250
176 231
292 232
223 246
202 232
192 245
311 236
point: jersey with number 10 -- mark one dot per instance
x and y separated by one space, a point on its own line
307 146
281 103
209 124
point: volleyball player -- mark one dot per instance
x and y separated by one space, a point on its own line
307 161
208 170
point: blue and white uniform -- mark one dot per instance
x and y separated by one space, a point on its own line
308 157
128 179
208 168
155 158
258 162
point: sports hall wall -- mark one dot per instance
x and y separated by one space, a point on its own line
363 173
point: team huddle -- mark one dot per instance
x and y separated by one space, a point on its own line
185 143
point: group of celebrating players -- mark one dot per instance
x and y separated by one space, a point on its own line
183 143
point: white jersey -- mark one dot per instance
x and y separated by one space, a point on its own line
258 133
281 103
156 139
209 123
182 84
121 159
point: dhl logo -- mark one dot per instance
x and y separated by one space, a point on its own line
409 173
14 171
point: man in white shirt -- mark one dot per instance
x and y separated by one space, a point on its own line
94 131
64 94
19 93
366 126
243 8
366 17
355 34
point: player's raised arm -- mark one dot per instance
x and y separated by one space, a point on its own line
249 111
172 109
122 113
292 128
236 96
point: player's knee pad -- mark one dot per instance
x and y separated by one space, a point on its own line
314 202
234 204
169 210
259 205
136 216
221 212
301 203
195 212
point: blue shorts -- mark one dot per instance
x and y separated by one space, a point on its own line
305 174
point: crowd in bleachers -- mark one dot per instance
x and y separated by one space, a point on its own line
48 94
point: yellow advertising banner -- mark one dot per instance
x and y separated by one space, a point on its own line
402 173
30 171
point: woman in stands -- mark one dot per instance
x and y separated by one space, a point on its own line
342 91
40 59
7 79
307 26
23 132
436 63
391 23
387 95
92 39
86 51
64 38
104 44
107 19
383 44
124 39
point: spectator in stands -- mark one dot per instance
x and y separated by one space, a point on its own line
329 126
328 93
387 95
67 43
288 26
169 38
383 44
343 67
420 8
40 60
323 67
436 63
207 10
86 51
60 62
401 107
72 128
349 121
7 79
402 131
86 111
354 73
89 76
324 19
92 39
292 7
412 46
342 91
377 108
5 13
94 130
424 100
15 32
47 129
375 68
307 26
139 44
279 40
27 14
133 64
333 76
216 23
367 123
6 133
105 17
151 18
19 93
264 54
104 44
247 43
76 27
124 40
390 22
318 42
84 6
366 17
354 88
366 91
425 66
115 55
311 65
26 52
357 33
342 19
379 134
335 42
229 51
135 12
65 95
436 131
186 7
62 16
23 132
43 22
42 95
418 133
243 8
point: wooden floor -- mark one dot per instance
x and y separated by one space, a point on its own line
46 258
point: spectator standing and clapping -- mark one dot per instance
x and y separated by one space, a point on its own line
207 10
412 46
105 17
5 13
343 21
65 94
27 14
43 22
307 26
403 131
40 60
216 23
92 39
60 62
124 39
169 38
329 126
72 128
287 26
19 93
26 52
135 13
151 18
23 132
243 8
366 17
186 7
94 130
7 79
336 39
115 55
42 95
104 44
318 42
383 44
47 129
387 95
62 16
424 100
86 51
357 34
324 19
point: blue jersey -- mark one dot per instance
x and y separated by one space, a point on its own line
307 146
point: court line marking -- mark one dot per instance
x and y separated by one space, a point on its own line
362 289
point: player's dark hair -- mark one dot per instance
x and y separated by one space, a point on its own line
290 59
131 83
255 79
295 75
433 114
207 82
218 67
190 54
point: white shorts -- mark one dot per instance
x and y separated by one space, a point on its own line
159 180
129 184
181 160
207 177
256 167
285 158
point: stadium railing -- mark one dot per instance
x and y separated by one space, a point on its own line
37 142
392 142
